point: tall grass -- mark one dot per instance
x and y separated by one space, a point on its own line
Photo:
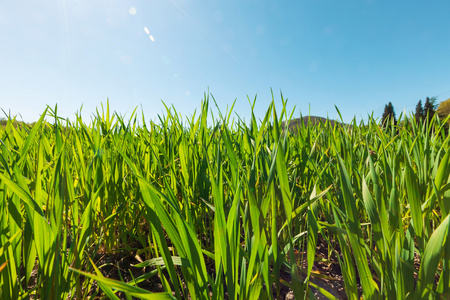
226 209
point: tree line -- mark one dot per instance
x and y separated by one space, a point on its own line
422 114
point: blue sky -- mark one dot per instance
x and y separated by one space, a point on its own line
355 54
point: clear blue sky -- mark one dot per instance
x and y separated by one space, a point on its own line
355 54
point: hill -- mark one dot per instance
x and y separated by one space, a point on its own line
309 120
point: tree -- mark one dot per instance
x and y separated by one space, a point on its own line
429 109
419 112
444 109
388 115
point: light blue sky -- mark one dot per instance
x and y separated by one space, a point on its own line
355 54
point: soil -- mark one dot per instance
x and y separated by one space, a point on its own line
326 274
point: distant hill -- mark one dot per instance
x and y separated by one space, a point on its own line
16 123
309 120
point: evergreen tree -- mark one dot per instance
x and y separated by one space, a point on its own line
388 115
419 112
429 109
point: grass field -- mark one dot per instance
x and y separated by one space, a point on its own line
212 207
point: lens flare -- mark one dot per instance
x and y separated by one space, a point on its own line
132 11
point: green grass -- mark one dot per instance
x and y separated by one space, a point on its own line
223 208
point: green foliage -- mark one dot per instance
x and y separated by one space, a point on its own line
222 209
388 115
429 109
444 112
444 108
419 112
